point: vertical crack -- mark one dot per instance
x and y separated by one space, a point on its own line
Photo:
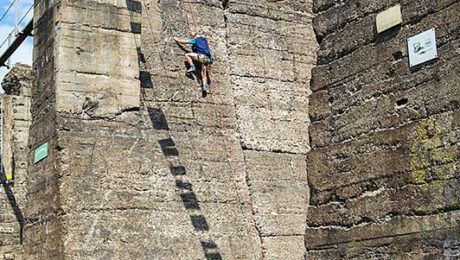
225 4
319 38
242 177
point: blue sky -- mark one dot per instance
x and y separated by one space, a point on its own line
24 53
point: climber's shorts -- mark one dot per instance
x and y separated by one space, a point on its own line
203 59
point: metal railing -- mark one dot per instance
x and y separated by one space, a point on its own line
21 31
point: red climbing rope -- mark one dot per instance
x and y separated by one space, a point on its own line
230 150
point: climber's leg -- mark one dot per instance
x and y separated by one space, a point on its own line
203 74
189 57
204 77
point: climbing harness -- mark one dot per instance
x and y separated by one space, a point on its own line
244 190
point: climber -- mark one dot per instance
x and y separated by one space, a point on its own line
201 54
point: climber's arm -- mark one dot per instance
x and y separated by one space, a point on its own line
181 41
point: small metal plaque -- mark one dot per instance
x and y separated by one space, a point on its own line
422 47
389 18
41 153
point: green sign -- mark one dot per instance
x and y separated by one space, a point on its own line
41 153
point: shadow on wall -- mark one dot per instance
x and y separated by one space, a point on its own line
168 147
13 203
135 9
186 192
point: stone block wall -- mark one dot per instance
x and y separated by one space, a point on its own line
383 169
16 118
272 49
140 165
251 133
86 70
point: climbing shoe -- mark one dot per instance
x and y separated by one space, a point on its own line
206 89
191 69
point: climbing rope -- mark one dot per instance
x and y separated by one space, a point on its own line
230 150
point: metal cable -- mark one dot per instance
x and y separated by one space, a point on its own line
6 12
20 21
6 39
27 13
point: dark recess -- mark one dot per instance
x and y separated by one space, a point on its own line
213 256
177 170
211 246
159 122
208 245
397 55
141 55
134 6
190 200
225 4
184 185
146 79
168 147
136 28
199 223
402 102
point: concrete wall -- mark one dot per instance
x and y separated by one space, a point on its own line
85 72
141 166
15 133
252 131
383 169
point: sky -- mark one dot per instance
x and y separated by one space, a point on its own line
24 53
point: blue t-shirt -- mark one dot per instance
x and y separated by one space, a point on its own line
200 45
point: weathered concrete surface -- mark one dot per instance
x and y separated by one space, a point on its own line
16 118
97 58
383 168
271 52
271 48
255 123
140 165
78 78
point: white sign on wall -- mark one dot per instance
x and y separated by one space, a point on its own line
422 47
